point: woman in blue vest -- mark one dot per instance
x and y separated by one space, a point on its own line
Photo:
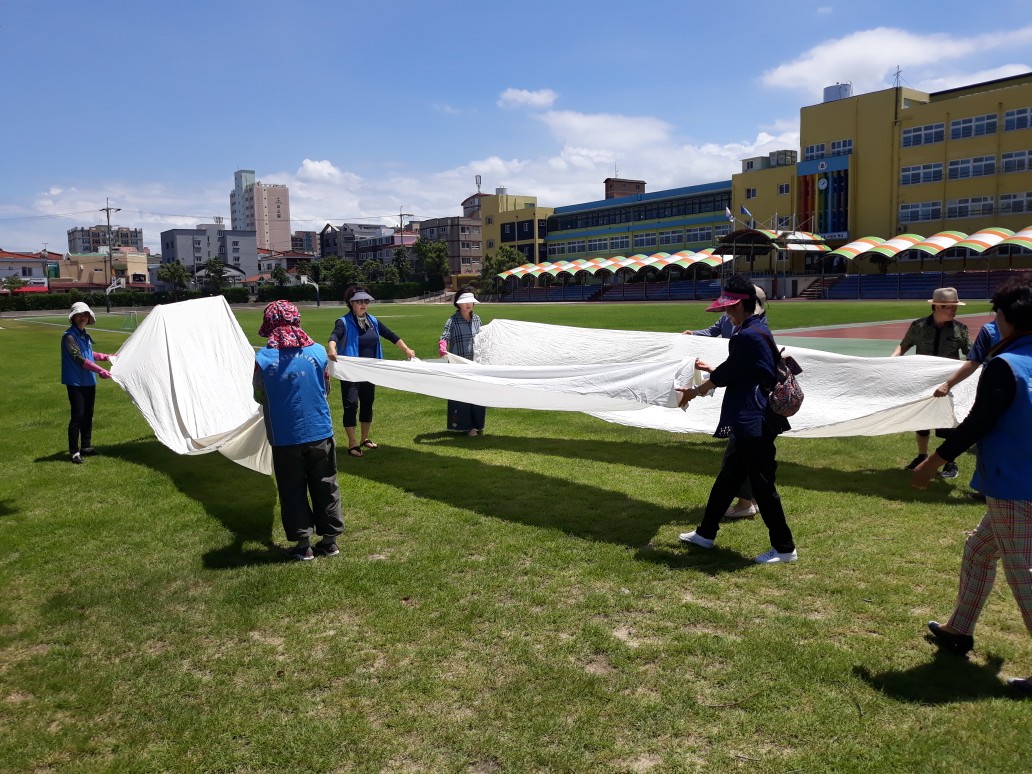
1000 423
358 334
292 381
79 373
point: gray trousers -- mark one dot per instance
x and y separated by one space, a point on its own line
308 470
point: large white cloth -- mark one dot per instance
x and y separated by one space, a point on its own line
188 368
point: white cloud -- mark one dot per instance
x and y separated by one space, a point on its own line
318 170
440 107
868 59
824 10
538 100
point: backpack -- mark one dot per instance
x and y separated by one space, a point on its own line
787 396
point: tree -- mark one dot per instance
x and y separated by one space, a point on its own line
504 259
434 256
305 269
339 273
280 276
175 275
401 263
882 262
391 276
215 271
13 282
370 271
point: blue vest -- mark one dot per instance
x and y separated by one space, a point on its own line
1005 453
71 372
296 410
353 332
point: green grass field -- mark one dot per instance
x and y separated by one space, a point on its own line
517 602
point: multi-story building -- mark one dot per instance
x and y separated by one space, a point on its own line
262 208
97 270
90 239
618 187
515 221
340 241
194 247
305 242
31 268
462 235
663 221
381 248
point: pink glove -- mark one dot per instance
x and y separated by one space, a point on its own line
442 347
101 356
89 365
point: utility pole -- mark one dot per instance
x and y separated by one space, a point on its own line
110 263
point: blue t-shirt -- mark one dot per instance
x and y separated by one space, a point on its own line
987 338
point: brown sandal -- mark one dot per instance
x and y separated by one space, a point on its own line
370 444
355 451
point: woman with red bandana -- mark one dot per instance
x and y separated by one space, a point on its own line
291 381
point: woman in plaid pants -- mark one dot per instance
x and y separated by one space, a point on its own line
1000 423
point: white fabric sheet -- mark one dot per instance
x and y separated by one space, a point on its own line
188 369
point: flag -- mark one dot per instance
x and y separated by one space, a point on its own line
730 217
746 212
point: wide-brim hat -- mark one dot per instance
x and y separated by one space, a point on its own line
467 298
946 296
726 299
81 307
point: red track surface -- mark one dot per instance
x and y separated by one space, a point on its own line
891 331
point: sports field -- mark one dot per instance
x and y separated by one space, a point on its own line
517 602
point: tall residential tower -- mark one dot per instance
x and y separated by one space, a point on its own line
262 208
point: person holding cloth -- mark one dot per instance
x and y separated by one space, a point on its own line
79 373
999 424
746 507
749 374
292 382
938 335
357 334
457 338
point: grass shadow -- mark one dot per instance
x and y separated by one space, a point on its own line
946 678
6 508
539 500
700 455
246 509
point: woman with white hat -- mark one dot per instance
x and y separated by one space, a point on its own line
79 375
460 330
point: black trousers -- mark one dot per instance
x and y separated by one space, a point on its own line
354 393
308 470
80 426
751 459
465 416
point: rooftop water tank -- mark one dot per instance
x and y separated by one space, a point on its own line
838 91
501 191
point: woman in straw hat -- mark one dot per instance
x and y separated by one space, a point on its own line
938 335
79 373
460 330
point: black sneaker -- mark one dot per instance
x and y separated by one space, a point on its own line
77 459
949 470
89 451
916 461
298 554
325 548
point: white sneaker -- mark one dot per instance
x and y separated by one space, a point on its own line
775 557
696 540
742 513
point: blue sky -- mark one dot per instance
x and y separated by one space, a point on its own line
366 109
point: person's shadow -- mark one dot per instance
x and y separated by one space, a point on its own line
541 500
242 500
946 678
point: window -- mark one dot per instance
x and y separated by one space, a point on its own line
429 232
721 231
973 127
784 188
749 164
671 237
841 147
750 193
921 173
1015 161
1015 202
490 220
598 245
619 243
1017 119
971 207
973 167
811 152
26 271
578 246
908 213
645 240
699 234
784 222
490 243
924 135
